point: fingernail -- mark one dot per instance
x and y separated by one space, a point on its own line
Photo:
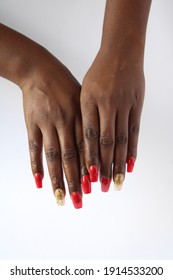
77 199
105 184
38 180
130 164
118 181
93 173
60 197
86 184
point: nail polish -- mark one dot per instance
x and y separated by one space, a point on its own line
130 164
86 184
93 173
118 181
105 184
76 199
38 180
60 197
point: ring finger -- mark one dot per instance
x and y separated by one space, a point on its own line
53 157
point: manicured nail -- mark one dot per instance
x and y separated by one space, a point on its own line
93 173
130 164
38 180
60 197
86 184
77 199
118 181
105 184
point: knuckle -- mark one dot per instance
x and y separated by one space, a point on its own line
52 154
80 146
121 139
134 129
91 134
69 154
106 141
34 146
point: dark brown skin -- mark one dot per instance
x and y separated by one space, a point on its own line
51 101
111 98
113 88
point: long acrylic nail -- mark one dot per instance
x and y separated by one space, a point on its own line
86 184
105 184
76 199
60 197
93 173
130 164
118 181
38 180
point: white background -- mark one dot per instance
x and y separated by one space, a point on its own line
136 223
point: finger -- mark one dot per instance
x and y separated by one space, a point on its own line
134 124
84 175
121 144
53 158
35 150
107 142
70 160
90 121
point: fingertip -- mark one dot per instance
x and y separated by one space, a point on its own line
93 173
38 180
86 184
60 196
130 164
76 198
105 184
118 181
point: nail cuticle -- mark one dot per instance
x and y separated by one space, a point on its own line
76 199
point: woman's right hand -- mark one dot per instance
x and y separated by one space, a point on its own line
51 100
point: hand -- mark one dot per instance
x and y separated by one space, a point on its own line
111 103
51 100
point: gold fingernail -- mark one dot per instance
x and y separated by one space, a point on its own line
60 197
118 181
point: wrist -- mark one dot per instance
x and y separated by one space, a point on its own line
18 55
129 47
30 65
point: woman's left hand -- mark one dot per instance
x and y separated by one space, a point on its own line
111 103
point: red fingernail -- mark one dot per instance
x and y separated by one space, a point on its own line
38 180
86 184
105 184
77 199
93 173
130 164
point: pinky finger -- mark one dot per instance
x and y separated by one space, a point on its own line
134 124
35 150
